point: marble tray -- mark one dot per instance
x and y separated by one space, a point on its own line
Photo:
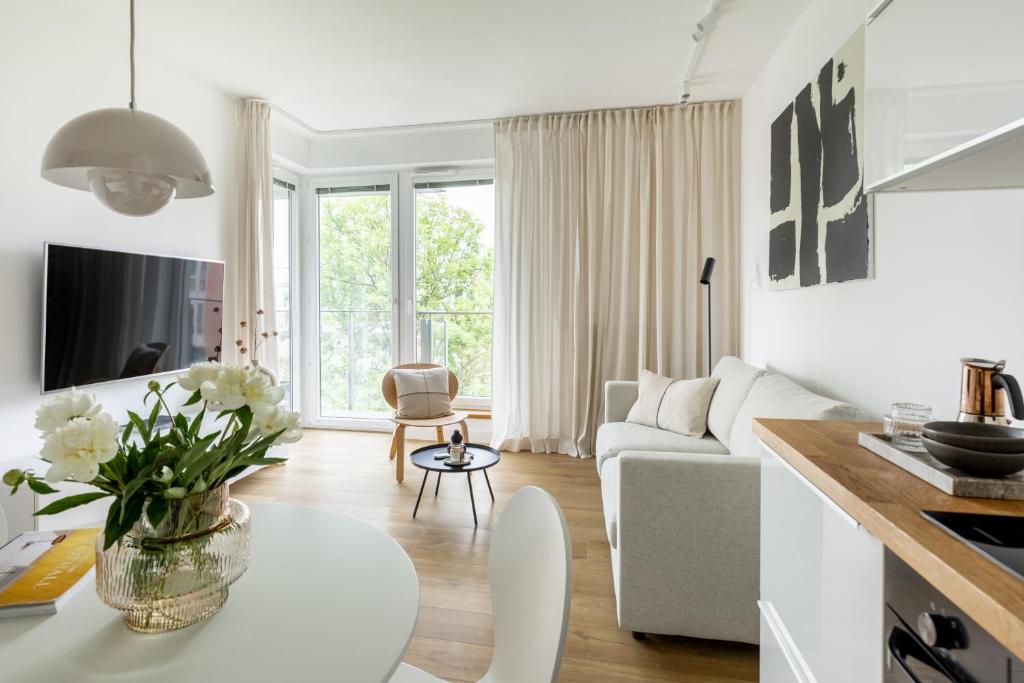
946 479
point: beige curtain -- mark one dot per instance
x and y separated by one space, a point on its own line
254 282
603 223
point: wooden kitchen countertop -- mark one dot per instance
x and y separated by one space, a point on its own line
887 501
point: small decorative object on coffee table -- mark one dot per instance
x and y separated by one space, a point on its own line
475 458
173 540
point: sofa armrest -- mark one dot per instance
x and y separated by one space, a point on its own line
619 397
689 543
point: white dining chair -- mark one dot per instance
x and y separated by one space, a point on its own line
531 587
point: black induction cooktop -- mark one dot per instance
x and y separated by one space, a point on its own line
1000 538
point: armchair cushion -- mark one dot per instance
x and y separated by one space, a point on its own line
422 393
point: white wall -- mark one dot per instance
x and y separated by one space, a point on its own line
948 278
58 62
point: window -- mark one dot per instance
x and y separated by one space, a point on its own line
404 272
454 279
355 298
284 227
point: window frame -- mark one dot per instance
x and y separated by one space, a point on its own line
295 354
403 281
471 403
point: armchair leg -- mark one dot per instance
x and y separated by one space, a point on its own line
440 434
394 444
465 431
400 453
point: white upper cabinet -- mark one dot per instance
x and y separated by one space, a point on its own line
945 95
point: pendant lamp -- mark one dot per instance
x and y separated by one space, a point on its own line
134 162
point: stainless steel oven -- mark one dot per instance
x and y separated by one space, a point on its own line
930 640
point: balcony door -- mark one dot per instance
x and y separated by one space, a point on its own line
404 274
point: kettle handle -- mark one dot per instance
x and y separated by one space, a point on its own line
1008 383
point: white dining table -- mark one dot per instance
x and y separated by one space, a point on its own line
325 598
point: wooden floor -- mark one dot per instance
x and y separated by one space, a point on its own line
349 472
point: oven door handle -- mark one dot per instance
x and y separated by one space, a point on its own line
903 644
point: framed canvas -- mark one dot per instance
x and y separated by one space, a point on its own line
821 227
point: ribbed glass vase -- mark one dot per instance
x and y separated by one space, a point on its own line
177 573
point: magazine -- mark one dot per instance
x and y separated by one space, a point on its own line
41 570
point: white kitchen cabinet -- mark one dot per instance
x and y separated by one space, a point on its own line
822 596
944 95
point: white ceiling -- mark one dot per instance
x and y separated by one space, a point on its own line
343 64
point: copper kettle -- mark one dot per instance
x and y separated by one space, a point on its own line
987 394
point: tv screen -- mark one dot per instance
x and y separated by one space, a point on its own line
112 315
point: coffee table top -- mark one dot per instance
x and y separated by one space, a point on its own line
483 457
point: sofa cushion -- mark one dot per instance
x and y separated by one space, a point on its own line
615 437
684 408
610 500
735 380
780 397
648 401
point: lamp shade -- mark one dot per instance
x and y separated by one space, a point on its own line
134 162
709 268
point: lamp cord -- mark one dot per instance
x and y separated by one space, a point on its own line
131 50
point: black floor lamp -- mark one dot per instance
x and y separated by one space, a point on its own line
705 279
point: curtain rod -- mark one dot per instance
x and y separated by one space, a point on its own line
445 124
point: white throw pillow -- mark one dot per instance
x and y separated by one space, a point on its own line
675 405
422 394
684 409
651 391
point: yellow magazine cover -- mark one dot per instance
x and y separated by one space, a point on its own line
38 568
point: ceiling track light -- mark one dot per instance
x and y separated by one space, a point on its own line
705 25
135 163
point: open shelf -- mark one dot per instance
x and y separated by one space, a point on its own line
991 161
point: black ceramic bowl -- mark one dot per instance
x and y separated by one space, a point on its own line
976 463
976 436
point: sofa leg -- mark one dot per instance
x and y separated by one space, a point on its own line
639 635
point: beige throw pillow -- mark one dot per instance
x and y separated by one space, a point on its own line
422 394
652 389
676 405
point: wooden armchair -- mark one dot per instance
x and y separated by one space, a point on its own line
387 387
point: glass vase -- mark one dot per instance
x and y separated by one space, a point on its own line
178 573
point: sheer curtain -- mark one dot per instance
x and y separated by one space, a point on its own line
603 223
254 275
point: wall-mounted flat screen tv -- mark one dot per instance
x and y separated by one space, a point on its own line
111 315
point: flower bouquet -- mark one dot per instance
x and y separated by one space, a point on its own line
173 540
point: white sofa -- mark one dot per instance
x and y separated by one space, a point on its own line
683 513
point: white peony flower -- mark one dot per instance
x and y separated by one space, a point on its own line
63 408
77 449
235 387
275 419
259 393
225 390
199 373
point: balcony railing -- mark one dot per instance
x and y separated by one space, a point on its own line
355 351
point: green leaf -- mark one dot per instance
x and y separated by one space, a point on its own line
154 414
71 502
139 425
195 398
127 433
120 521
40 486
156 510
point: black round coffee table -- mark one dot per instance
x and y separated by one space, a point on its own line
484 457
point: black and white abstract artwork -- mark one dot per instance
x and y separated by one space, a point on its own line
820 216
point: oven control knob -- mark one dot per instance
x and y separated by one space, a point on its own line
939 631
